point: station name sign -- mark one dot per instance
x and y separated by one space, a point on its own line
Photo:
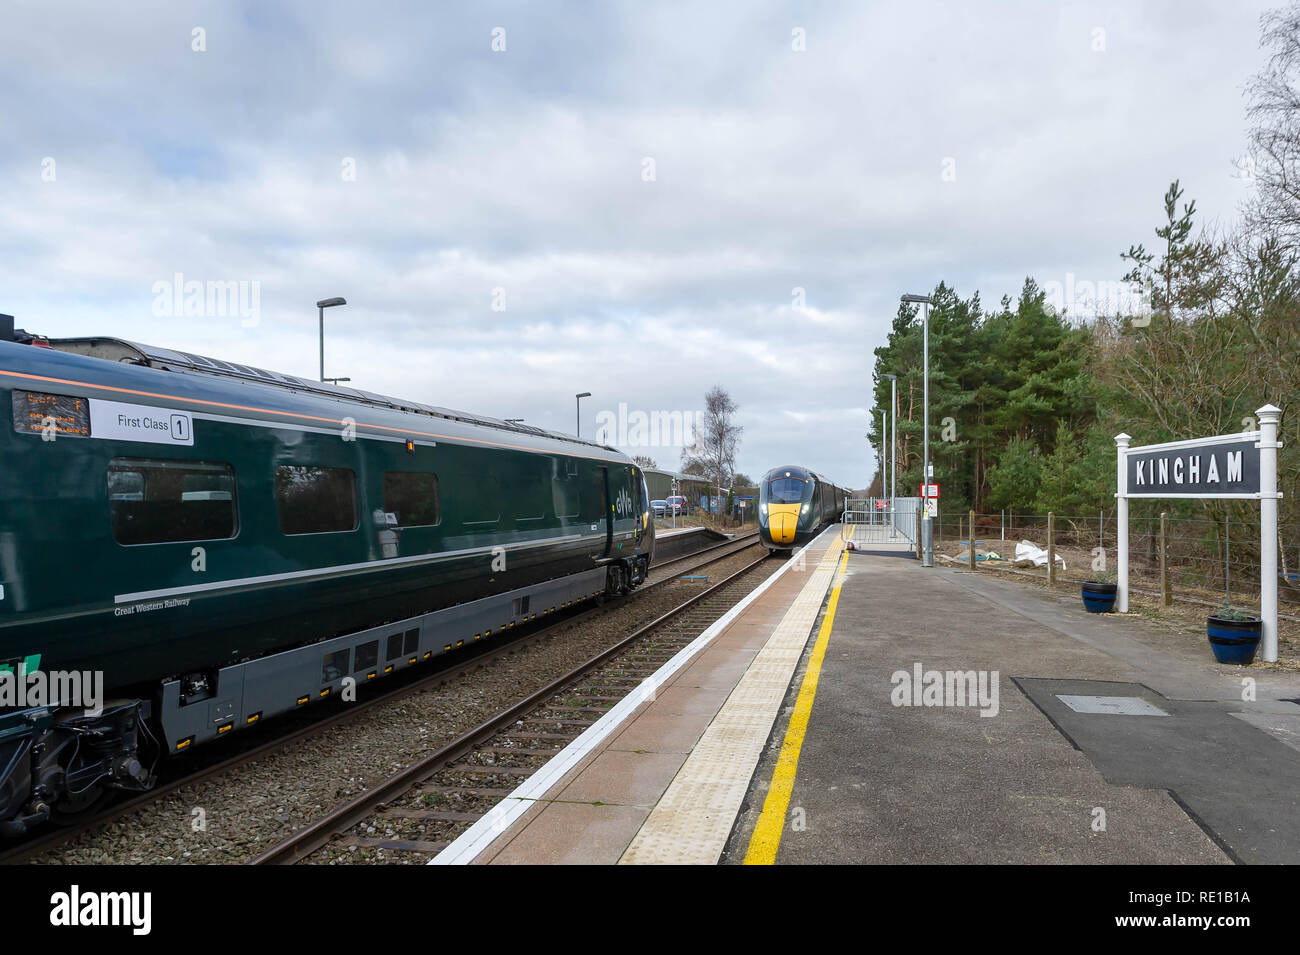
1215 468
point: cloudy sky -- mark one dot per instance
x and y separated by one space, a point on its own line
624 200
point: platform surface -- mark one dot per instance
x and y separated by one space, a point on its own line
740 755
1204 777
597 809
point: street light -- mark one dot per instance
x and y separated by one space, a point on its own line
884 454
577 402
893 450
335 380
927 528
322 305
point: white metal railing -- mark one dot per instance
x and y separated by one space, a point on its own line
878 520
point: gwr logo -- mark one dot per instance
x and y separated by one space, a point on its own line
623 504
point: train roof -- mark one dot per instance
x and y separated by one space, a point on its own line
120 350
795 470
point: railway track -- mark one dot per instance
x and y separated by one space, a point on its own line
418 811
478 658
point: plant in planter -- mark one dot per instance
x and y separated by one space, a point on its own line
1234 634
1099 593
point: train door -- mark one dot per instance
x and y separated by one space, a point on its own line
622 494
643 517
598 515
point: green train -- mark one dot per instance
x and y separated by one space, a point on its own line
211 544
794 504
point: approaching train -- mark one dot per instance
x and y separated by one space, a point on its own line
217 544
794 504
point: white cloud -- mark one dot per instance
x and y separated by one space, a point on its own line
522 171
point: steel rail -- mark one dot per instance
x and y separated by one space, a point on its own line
312 837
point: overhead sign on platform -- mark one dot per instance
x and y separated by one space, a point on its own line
1207 467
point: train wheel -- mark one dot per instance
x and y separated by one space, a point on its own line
75 809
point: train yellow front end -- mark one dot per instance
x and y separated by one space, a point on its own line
794 505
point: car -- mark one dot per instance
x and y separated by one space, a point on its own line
660 508
678 505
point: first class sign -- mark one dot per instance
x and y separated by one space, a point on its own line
119 421
1217 467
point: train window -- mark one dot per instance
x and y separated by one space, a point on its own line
785 491
565 498
413 497
154 501
479 499
593 498
526 490
314 500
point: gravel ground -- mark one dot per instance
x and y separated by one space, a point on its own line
456 790
1183 617
234 817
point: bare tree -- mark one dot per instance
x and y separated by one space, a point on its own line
714 452
644 461
1275 137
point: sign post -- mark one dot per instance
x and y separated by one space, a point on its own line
1121 508
1230 466
1269 419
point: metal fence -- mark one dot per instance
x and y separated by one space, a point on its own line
880 520
1201 557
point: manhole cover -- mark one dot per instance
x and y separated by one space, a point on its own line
1117 705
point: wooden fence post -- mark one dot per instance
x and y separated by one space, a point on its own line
972 539
1165 590
1051 547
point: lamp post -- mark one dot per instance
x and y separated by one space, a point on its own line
893 451
335 381
884 455
927 526
322 305
578 411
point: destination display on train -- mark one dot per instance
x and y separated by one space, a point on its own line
36 412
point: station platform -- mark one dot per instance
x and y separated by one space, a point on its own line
827 720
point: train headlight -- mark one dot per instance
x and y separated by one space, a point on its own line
804 510
762 508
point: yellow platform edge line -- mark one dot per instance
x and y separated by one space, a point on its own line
766 839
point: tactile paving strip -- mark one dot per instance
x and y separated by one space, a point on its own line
692 820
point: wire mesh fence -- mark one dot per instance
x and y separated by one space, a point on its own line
1203 558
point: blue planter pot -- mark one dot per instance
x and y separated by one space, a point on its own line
1098 598
1233 641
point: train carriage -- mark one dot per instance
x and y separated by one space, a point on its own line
221 543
